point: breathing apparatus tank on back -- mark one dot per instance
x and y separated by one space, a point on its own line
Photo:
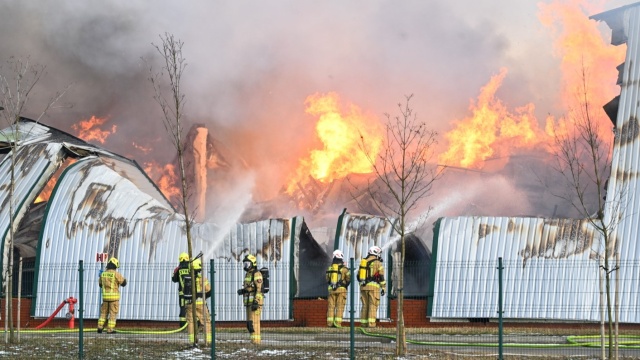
362 272
334 275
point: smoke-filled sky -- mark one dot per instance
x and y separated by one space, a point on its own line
251 65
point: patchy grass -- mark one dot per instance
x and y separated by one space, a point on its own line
292 343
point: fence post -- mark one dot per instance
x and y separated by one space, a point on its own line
213 309
80 310
352 354
500 329
19 294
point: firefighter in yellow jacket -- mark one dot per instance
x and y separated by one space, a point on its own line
202 311
252 296
372 286
183 267
338 278
110 282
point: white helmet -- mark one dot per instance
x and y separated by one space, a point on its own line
338 254
375 250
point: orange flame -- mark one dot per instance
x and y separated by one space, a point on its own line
89 129
339 130
45 194
167 179
581 45
493 131
143 149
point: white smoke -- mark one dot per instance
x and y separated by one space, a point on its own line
252 64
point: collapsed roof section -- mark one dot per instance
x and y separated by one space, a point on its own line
39 152
104 203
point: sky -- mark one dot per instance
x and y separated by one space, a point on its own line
251 65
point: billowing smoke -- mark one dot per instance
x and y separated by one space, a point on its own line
252 65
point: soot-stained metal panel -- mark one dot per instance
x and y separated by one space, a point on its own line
356 235
32 166
622 201
534 251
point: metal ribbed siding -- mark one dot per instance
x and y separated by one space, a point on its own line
93 210
355 236
270 241
625 24
147 245
549 268
35 164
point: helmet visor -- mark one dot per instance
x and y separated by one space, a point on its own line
246 265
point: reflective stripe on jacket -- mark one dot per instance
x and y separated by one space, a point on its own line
110 282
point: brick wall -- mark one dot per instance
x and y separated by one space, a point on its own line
310 313
313 313
306 313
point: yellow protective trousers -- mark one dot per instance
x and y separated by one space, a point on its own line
108 309
253 324
337 301
370 298
202 313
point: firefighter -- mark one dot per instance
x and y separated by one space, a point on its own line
372 286
202 293
110 282
338 278
183 266
252 296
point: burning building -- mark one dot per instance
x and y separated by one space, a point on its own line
104 205
558 261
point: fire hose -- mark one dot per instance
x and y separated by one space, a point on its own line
70 314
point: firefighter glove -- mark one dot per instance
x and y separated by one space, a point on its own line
241 291
382 292
254 306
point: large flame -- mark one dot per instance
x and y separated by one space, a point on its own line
166 179
588 66
588 62
491 130
89 129
341 131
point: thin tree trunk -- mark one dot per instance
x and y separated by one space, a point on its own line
602 273
401 341
617 302
9 278
609 314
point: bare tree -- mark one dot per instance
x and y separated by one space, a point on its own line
583 158
173 120
404 174
18 78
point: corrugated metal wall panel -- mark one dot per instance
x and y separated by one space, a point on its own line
144 241
626 161
34 165
547 263
357 233
270 241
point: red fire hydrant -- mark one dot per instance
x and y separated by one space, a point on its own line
70 315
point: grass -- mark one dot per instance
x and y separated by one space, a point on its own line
232 344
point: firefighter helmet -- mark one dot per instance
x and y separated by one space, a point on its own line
375 250
249 262
337 254
183 257
115 262
197 264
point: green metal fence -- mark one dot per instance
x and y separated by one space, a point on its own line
72 335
